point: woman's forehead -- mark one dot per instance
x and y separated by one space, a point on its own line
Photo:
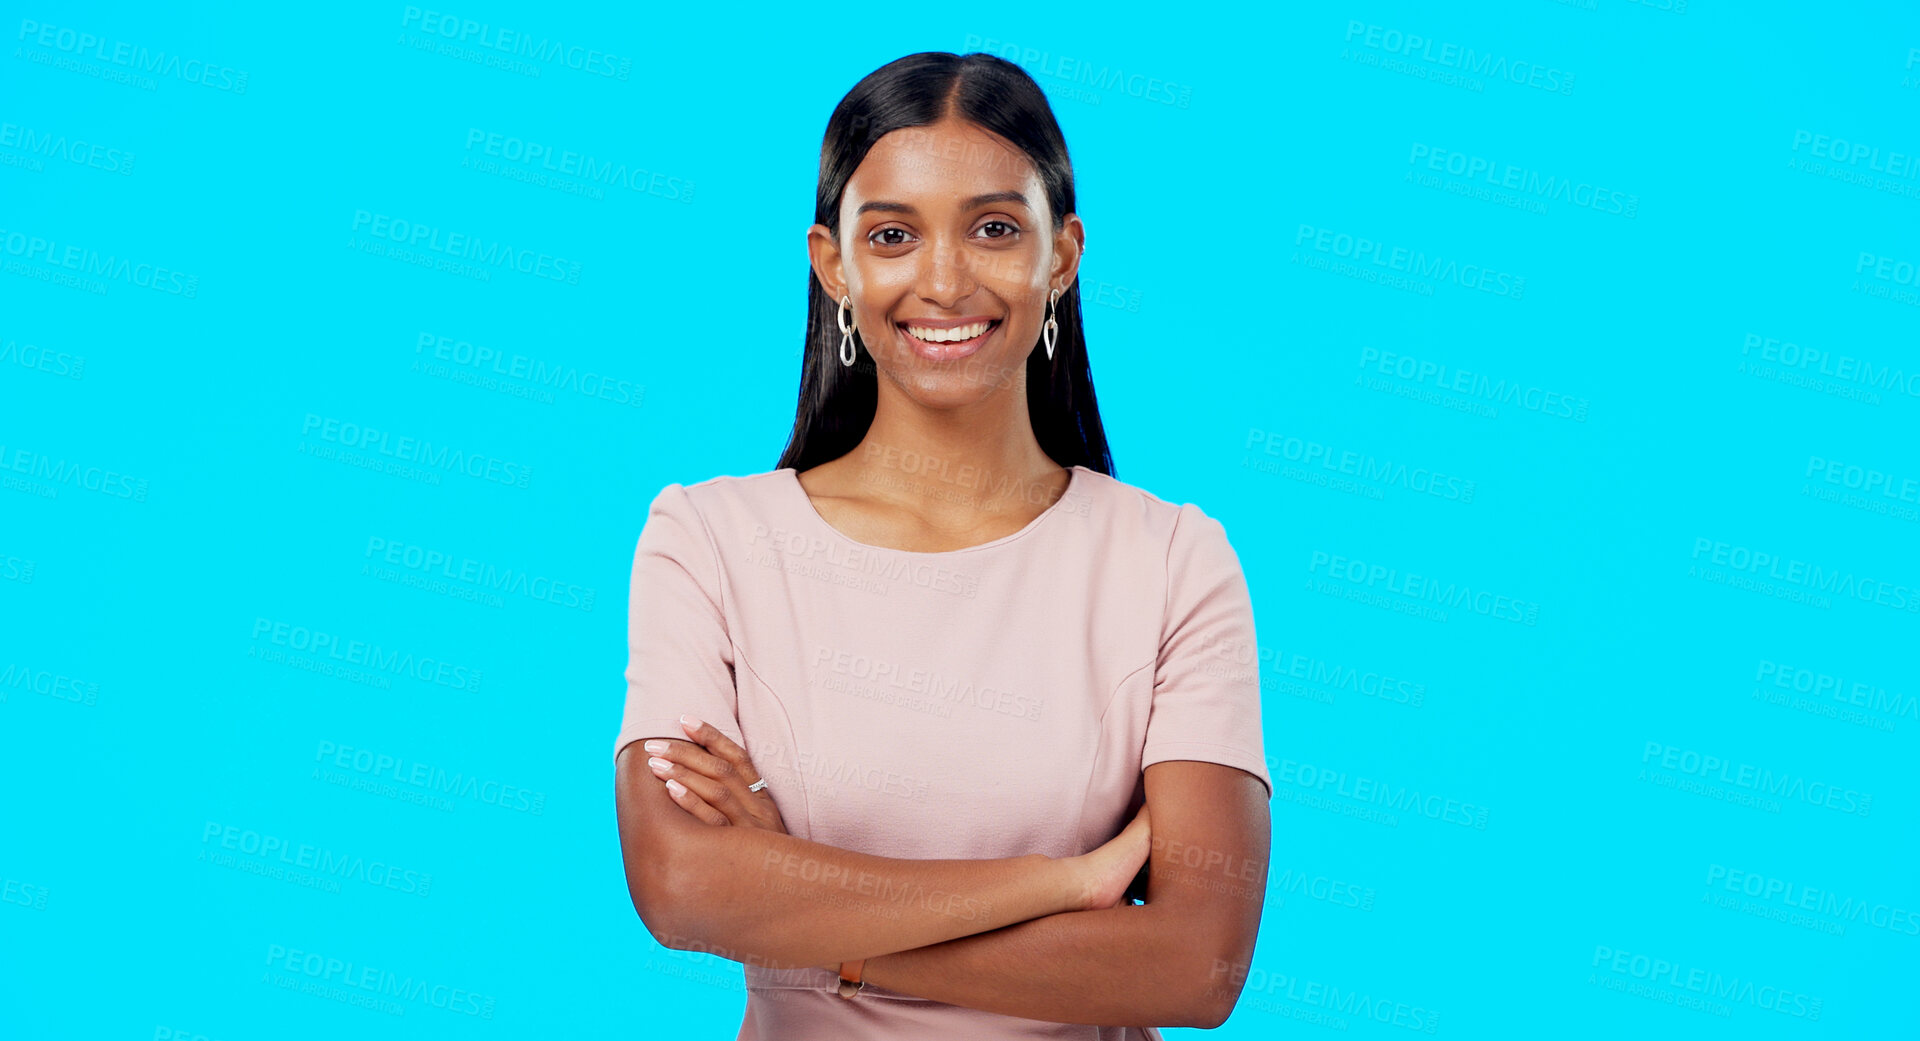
950 160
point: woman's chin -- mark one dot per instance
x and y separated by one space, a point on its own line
967 379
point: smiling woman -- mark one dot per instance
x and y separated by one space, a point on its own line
903 704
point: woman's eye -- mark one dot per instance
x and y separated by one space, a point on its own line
900 236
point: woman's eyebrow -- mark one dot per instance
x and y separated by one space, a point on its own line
978 200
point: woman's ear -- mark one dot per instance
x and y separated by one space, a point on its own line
823 252
1068 244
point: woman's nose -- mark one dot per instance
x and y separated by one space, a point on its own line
946 275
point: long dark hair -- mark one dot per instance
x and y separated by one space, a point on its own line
837 402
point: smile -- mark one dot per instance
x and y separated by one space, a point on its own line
946 343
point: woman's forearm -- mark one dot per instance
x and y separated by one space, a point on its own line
759 896
1122 966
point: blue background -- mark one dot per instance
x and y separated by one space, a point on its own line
1639 420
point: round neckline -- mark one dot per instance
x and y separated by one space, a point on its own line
793 478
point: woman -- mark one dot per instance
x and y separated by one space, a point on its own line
897 709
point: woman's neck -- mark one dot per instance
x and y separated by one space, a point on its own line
985 451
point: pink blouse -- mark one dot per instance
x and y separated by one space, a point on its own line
986 702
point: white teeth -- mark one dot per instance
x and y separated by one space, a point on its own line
965 332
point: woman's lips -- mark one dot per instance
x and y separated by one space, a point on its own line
947 351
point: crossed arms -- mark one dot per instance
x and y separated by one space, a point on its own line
999 935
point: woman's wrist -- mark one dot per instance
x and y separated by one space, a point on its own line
875 970
1077 884
1063 880
1059 884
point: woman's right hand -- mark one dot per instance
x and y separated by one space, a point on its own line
1103 875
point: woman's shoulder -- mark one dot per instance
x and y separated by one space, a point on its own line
696 520
725 484
1142 510
725 495
1185 543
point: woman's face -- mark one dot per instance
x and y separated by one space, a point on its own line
945 233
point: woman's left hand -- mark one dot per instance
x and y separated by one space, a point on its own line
712 779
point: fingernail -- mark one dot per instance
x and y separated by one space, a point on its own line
659 765
656 747
676 788
689 722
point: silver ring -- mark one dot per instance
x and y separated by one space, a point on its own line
757 785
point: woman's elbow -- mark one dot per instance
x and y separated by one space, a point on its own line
1217 990
1201 1005
1213 1010
1214 1001
654 854
653 903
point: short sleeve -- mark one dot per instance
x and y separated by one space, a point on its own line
1206 684
679 655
